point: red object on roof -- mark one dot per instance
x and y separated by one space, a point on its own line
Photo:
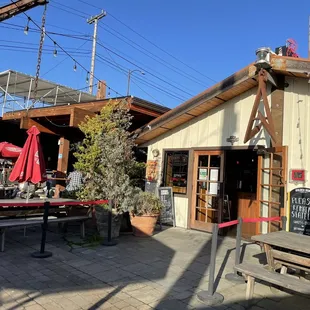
9 150
30 165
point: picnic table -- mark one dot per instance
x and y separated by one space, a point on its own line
286 249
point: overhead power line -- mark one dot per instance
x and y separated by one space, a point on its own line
68 54
165 80
151 55
152 43
144 80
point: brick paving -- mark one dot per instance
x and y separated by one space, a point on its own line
163 272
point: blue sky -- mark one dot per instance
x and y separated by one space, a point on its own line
212 39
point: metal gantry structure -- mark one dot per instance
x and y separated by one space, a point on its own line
17 93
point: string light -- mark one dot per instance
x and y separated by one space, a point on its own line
74 67
62 49
27 27
55 50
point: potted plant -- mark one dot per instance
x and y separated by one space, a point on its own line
144 212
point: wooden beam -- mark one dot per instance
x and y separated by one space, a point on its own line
26 123
269 126
40 112
144 111
78 116
277 109
290 64
94 107
63 155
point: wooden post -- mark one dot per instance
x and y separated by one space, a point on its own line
102 90
277 109
62 165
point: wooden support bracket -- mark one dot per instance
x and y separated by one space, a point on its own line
27 122
77 116
265 121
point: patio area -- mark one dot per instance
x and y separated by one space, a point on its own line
162 272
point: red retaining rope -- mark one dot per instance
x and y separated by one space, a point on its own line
226 224
41 204
262 219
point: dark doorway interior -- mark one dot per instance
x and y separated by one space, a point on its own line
240 184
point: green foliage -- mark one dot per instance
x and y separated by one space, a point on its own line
143 203
105 155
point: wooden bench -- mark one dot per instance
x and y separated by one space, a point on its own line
252 272
4 224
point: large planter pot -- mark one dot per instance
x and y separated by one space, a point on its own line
144 225
102 222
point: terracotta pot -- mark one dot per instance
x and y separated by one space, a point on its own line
144 225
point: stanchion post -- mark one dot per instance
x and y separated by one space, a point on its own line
210 297
283 220
109 241
43 253
234 277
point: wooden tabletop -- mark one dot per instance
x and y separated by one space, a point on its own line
19 201
287 240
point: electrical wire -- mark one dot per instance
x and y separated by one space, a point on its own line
61 48
51 46
148 72
131 62
151 55
147 52
152 43
124 71
67 11
54 67
149 84
19 27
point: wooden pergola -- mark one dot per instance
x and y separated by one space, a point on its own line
63 120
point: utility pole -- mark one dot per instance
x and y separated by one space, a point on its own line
309 39
94 20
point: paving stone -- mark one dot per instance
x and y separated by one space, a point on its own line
144 307
164 272
34 307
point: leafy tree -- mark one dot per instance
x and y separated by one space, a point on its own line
105 156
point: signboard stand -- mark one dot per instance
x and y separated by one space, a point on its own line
167 215
299 216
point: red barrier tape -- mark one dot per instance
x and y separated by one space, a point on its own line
226 224
262 219
64 203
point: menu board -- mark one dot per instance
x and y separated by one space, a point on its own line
300 211
167 213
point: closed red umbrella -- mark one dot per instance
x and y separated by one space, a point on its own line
9 150
30 165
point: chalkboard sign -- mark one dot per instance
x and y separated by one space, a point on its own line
300 211
167 213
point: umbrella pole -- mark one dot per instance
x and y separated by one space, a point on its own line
42 253
28 190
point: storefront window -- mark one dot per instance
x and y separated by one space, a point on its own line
175 173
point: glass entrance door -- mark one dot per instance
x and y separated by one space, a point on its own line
207 195
271 186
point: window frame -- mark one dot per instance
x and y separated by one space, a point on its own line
165 163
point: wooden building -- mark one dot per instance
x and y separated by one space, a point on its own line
232 150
